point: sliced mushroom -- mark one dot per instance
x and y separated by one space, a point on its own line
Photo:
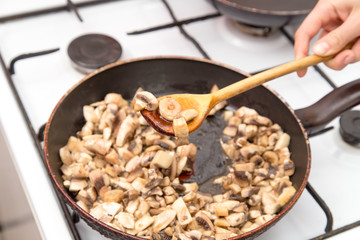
189 114
188 150
245 112
164 219
248 227
221 222
111 170
230 130
180 141
191 196
271 157
87 129
115 98
289 168
249 191
78 170
82 205
132 164
132 206
87 196
154 191
139 183
204 221
113 195
126 220
191 187
105 212
180 127
112 157
230 150
170 199
106 121
134 174
145 100
143 209
251 131
248 167
127 128
235 219
263 219
136 146
286 195
283 141
124 154
222 233
77 185
166 144
100 146
194 235
220 210
182 212
89 114
118 120
217 107
144 222
254 200
65 155
163 159
254 214
96 177
169 108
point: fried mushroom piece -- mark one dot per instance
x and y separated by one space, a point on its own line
126 174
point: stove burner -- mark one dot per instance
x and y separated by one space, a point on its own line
350 127
261 31
92 51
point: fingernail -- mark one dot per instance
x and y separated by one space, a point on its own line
321 48
349 59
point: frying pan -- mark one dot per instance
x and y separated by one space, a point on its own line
166 75
265 13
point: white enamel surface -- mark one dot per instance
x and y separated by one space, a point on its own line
42 81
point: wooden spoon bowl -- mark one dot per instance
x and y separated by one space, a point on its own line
200 102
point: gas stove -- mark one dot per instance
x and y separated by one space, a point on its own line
37 72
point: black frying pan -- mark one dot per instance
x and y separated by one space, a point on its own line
265 13
164 75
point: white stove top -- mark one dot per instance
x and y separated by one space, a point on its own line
42 81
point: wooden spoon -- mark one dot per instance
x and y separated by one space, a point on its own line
203 103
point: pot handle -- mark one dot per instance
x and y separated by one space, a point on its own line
317 115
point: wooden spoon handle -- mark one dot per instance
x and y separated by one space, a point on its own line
265 76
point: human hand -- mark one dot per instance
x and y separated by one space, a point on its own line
338 22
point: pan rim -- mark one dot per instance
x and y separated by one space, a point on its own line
264 11
87 217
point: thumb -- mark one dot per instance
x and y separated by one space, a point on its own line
336 40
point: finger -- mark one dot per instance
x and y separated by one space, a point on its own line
335 40
319 17
345 57
307 31
302 72
341 60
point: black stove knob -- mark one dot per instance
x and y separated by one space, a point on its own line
350 127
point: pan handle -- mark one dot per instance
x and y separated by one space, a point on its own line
317 115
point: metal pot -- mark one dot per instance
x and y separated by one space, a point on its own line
164 75
264 13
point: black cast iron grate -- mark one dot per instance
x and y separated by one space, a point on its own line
37 136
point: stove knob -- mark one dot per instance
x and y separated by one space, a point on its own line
350 127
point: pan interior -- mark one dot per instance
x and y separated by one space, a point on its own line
174 75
